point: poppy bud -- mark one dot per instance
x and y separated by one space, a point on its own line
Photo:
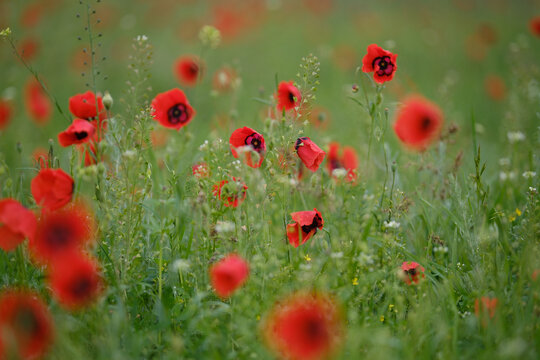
108 101
310 154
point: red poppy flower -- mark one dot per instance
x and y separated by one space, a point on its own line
28 48
52 188
188 70
311 155
228 274
88 153
85 106
224 79
5 113
26 324
16 223
79 132
418 122
381 62
37 103
495 87
200 170
75 281
411 272
32 14
485 305
306 224
288 96
171 109
347 160
40 158
534 25
304 326
247 140
232 194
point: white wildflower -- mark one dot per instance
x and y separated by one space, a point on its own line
224 227
529 174
515 136
391 224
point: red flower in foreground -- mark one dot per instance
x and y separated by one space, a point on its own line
171 109
188 70
305 224
86 106
5 113
26 326
311 155
37 103
381 62
411 272
52 188
534 25
231 193
228 274
288 96
80 131
304 326
75 281
200 170
418 122
247 141
61 232
347 160
16 224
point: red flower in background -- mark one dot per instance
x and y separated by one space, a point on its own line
495 87
411 272
79 132
75 281
28 48
25 320
381 62
418 122
320 117
52 188
311 155
61 232
484 309
171 109
305 225
232 194
288 96
304 326
200 170
32 14
16 224
348 160
246 140
37 103
5 113
224 79
188 70
88 153
534 26
86 106
40 158
228 274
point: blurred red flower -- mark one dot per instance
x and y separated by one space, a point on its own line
171 109
418 122
348 160
319 117
37 104
311 155
231 193
40 158
411 272
16 224
534 26
200 170
304 326
88 152
26 325
495 87
188 69
5 113
80 131
75 280
61 232
484 309
288 96
28 48
52 188
245 140
305 224
381 62
228 274
86 106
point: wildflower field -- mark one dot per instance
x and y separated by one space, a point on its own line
269 179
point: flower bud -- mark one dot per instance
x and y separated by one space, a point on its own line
108 101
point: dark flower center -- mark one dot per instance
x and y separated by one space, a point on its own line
317 221
383 66
335 164
58 236
426 123
314 329
256 141
26 321
411 272
298 142
81 288
291 97
193 69
80 135
178 114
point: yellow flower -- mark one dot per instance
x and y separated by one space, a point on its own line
512 218
308 259
518 212
382 318
355 281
